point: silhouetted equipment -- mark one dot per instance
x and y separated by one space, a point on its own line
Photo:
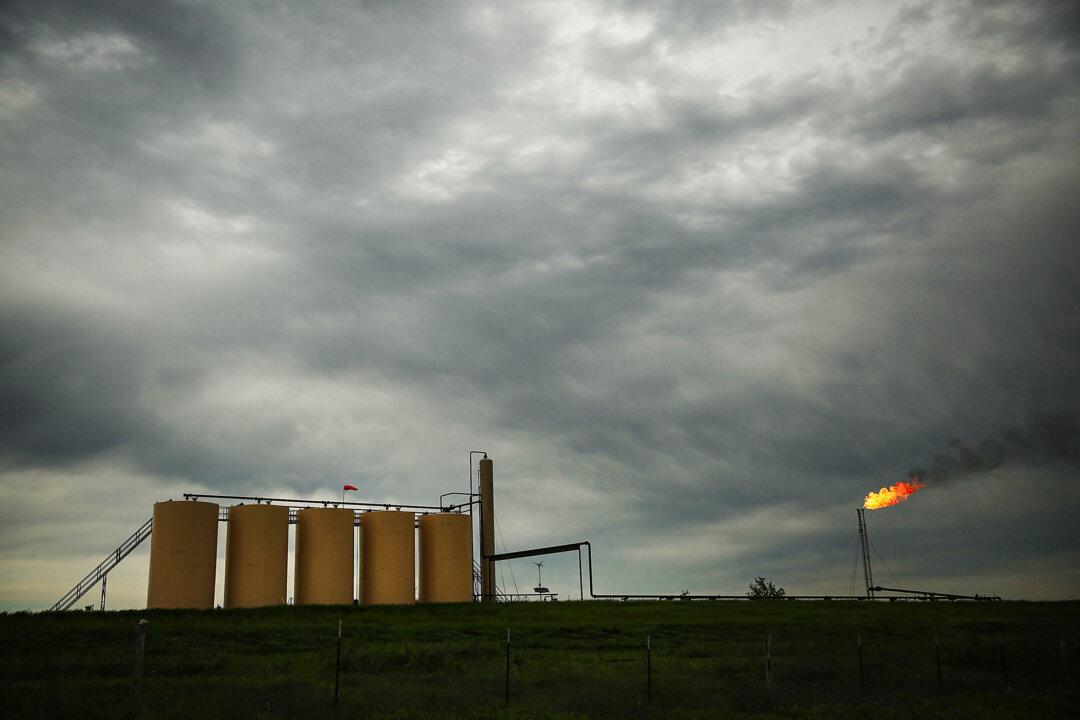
864 544
183 555
540 589
323 570
256 555
101 571
871 588
445 558
932 595
184 551
387 558
487 531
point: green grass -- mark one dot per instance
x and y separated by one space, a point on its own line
568 660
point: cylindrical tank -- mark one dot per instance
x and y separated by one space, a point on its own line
256 555
387 558
183 555
445 558
324 556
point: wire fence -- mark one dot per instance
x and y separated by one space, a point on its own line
604 672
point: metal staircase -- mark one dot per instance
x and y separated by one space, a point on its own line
102 570
500 595
100 573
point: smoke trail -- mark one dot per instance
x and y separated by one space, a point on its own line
1046 439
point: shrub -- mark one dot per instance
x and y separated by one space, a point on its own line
762 589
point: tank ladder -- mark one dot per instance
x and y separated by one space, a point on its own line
102 570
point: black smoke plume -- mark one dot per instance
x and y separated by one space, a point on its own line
1046 439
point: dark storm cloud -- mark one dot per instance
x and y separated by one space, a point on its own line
689 269
66 390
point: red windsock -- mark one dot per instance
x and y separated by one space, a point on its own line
349 487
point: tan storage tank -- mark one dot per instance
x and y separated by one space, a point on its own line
445 558
387 558
324 557
256 555
183 555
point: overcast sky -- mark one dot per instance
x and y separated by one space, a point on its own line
697 276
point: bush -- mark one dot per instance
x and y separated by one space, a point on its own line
762 589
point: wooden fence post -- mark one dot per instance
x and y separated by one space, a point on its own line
1004 664
768 660
648 668
337 669
937 654
140 648
1065 660
862 672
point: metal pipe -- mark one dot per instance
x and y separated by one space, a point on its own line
487 530
576 546
471 453
459 505
581 588
473 529
932 595
324 503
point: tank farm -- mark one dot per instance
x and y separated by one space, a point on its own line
184 540
392 538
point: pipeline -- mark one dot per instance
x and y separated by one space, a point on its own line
576 546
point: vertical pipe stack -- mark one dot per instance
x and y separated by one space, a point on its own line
324 556
864 543
387 558
183 555
487 531
445 558
256 555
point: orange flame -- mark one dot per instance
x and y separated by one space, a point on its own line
894 495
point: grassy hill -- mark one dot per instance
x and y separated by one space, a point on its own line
568 660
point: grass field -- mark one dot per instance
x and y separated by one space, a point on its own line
568 660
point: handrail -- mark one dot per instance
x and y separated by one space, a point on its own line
94 576
324 503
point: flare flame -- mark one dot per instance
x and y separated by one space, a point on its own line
894 495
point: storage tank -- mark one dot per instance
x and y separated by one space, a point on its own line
387 558
256 555
183 555
324 556
445 558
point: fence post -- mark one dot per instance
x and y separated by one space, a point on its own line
862 672
937 654
337 668
1004 664
506 700
140 647
1065 660
768 660
648 668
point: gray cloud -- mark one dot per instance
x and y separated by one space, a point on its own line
689 274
